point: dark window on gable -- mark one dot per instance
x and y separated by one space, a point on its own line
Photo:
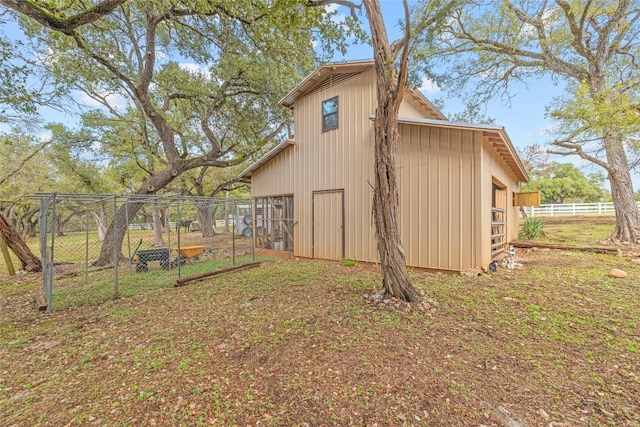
330 114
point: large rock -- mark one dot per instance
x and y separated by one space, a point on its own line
616 272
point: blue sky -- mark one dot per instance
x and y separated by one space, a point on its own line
524 118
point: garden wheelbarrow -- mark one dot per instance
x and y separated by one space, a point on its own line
188 254
142 258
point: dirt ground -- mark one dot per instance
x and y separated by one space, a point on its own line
555 342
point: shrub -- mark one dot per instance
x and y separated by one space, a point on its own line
532 228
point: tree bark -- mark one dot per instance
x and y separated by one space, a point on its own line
65 25
18 246
390 89
117 229
158 239
205 218
100 218
624 201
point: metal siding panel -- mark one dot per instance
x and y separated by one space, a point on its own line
468 173
339 158
416 218
434 196
437 179
444 199
455 152
482 206
495 167
404 187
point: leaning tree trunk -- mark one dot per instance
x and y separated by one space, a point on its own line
395 279
624 201
18 246
113 239
118 228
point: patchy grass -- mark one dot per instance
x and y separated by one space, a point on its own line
294 343
576 230
77 247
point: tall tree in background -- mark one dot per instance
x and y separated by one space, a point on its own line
564 183
591 46
23 170
218 111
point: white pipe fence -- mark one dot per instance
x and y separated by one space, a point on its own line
148 226
572 209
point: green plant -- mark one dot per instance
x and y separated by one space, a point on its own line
348 262
532 228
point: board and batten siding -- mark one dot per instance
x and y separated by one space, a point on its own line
437 180
444 177
340 159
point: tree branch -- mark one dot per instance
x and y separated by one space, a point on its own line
51 18
24 161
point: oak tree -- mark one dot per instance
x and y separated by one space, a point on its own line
592 47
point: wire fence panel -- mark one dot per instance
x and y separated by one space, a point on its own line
118 241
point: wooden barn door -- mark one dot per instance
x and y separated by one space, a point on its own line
328 224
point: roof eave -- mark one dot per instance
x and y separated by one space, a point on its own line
245 175
289 99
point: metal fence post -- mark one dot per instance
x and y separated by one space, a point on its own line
86 251
115 248
211 220
126 213
178 228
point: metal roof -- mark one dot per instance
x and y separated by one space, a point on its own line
324 72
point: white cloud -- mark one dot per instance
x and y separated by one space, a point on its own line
336 17
548 130
196 69
115 100
429 86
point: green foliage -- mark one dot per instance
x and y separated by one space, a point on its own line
472 114
215 74
587 48
23 169
532 228
564 183
348 262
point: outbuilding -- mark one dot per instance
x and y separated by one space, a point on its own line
312 193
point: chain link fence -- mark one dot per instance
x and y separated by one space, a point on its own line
120 239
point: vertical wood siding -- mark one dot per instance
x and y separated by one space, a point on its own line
444 179
337 159
437 180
